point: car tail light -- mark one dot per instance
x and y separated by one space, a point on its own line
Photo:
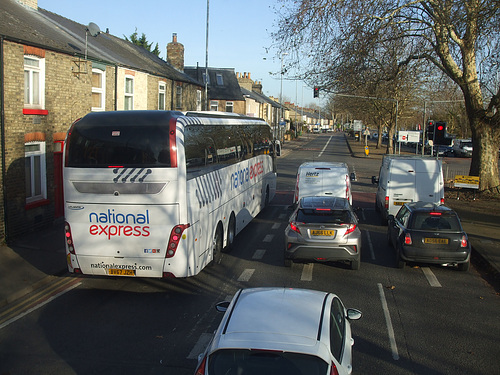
175 237
294 227
442 200
386 203
350 229
407 239
464 241
333 370
69 238
201 368
432 213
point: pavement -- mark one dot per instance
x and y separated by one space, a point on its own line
30 262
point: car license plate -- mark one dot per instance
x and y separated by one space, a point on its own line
438 241
120 272
330 233
400 203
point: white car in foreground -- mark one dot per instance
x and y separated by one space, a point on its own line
274 331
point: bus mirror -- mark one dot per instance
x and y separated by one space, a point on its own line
277 147
353 176
374 180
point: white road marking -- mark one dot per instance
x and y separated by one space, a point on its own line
36 307
246 274
200 346
307 272
281 216
268 238
431 278
388 322
324 148
372 253
259 254
276 226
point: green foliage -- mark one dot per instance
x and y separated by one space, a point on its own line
142 42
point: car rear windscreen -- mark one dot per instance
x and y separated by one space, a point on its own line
428 221
92 145
324 216
263 362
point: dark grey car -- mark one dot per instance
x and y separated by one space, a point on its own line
323 229
428 233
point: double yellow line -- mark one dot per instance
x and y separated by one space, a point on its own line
36 299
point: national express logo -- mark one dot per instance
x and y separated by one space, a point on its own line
115 224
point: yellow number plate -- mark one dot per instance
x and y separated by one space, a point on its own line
323 233
120 272
400 203
439 241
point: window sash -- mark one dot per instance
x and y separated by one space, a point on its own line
161 96
129 94
35 175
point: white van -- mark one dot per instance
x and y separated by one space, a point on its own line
405 179
323 179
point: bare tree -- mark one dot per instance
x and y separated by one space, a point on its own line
459 37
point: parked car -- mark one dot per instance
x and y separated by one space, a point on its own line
462 147
323 229
274 331
428 233
442 150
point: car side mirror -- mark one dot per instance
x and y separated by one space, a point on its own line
374 180
353 176
390 218
354 314
222 306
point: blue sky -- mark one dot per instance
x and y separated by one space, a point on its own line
239 33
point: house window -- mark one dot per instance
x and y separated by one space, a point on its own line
98 89
229 106
129 93
220 81
178 96
162 88
34 161
34 82
205 79
214 105
198 100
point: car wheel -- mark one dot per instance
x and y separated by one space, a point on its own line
464 267
231 233
355 264
400 263
217 247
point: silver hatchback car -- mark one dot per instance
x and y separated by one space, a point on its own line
281 331
323 229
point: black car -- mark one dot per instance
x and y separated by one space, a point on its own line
428 233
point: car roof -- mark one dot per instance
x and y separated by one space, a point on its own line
276 319
426 206
334 203
322 164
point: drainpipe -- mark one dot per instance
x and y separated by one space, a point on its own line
116 88
2 137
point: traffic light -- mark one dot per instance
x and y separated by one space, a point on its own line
440 137
316 91
430 130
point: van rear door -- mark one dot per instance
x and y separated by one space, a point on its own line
401 186
429 181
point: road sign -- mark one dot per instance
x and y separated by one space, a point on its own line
470 182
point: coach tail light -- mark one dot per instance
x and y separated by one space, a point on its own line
175 237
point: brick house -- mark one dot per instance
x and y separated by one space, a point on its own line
53 71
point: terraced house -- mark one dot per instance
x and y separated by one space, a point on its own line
52 72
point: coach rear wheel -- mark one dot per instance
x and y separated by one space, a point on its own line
217 247
231 233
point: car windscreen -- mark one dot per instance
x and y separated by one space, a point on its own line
435 221
114 144
307 215
263 362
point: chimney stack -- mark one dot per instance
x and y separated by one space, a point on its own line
175 53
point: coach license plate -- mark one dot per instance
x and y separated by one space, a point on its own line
437 241
120 272
330 233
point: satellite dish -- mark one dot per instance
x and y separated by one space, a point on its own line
93 29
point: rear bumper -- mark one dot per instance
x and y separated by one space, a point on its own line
412 254
319 253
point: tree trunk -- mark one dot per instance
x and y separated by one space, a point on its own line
485 155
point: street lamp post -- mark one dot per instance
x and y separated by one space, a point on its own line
281 94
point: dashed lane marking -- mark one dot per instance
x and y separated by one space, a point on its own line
246 274
259 254
307 272
388 322
268 238
276 226
431 278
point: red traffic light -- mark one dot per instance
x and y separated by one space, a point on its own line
440 127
